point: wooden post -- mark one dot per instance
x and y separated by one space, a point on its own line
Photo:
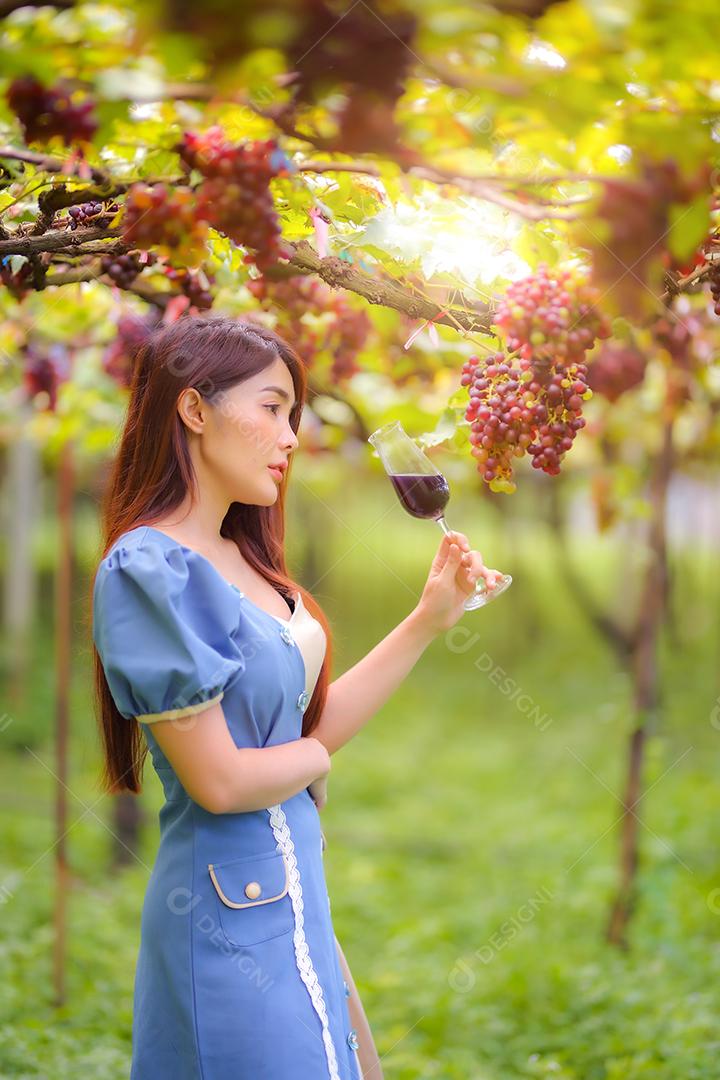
20 511
646 685
63 643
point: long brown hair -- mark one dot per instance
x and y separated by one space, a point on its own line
153 471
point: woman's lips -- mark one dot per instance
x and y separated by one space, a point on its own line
277 473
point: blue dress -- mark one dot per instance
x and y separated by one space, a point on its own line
238 975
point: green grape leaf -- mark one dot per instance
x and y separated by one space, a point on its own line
689 226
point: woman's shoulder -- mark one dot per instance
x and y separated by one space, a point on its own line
147 576
164 627
140 537
136 554
162 565
146 542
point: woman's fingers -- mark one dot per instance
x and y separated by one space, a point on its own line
440 559
460 539
452 562
492 577
455 538
446 546
473 567
467 561
472 561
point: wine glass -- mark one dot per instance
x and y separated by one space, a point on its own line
424 492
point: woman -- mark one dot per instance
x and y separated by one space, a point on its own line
208 654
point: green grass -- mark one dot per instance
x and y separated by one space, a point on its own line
471 854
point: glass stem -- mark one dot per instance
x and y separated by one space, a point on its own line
480 584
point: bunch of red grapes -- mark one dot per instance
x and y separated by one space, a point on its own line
213 155
45 368
132 332
289 300
337 328
91 213
615 370
163 217
357 59
679 337
714 279
193 284
364 49
235 196
531 400
47 111
551 316
122 269
511 412
17 282
636 213
351 331
368 51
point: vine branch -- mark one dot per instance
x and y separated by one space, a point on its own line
342 275
57 240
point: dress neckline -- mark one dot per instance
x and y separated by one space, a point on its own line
298 597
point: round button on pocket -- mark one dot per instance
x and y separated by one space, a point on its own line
252 899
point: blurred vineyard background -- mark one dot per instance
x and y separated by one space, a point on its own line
456 819
522 853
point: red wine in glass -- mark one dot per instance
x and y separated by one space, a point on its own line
422 496
424 492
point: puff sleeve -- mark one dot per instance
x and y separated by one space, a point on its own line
162 626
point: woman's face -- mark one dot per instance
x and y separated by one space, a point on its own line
244 430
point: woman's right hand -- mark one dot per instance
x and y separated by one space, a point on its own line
318 791
453 574
321 759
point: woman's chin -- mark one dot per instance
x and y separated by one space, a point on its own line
268 496
272 495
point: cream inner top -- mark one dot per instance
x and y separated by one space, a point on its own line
310 638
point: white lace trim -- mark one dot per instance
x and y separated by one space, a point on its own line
308 974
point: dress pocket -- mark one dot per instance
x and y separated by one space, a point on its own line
252 897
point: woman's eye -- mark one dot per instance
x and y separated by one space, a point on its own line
276 406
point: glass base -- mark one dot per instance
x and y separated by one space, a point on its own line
483 595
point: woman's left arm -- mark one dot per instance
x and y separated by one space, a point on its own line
358 693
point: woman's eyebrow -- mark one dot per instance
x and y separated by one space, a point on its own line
278 390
